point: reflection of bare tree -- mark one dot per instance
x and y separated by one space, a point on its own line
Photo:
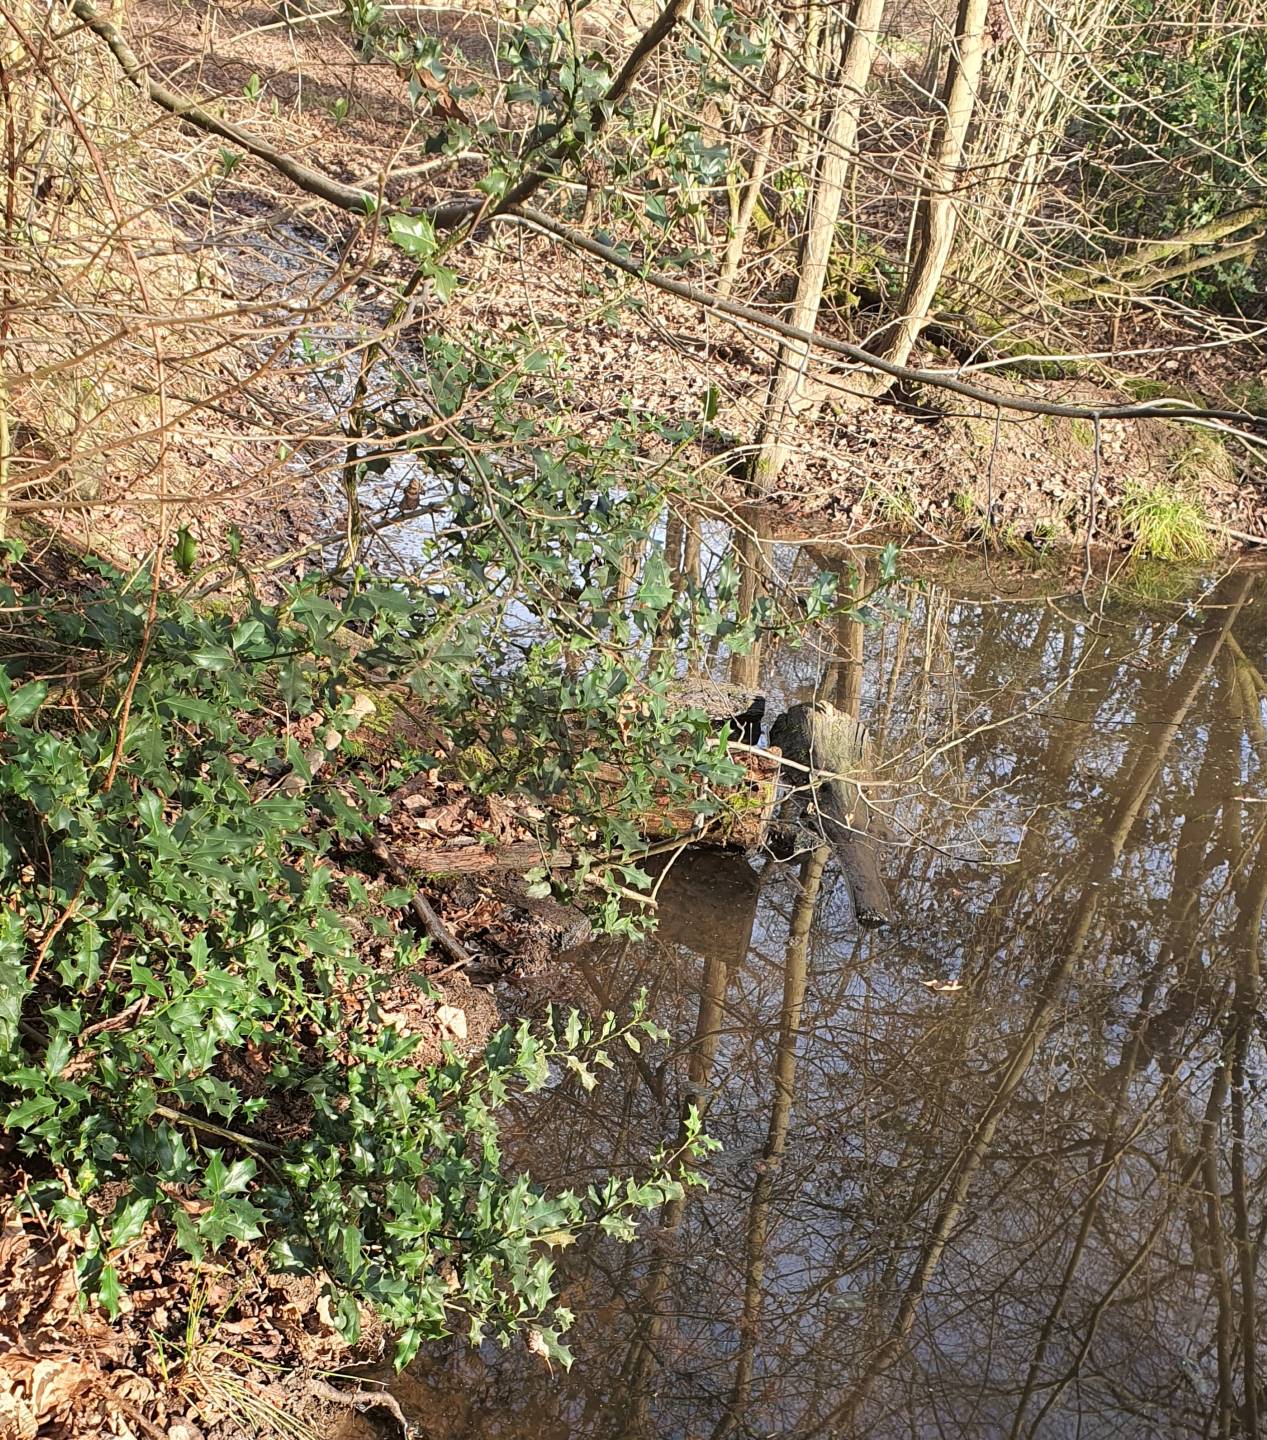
1247 949
729 934
1102 856
784 1089
745 670
1033 1206
844 687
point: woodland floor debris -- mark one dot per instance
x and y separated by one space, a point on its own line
916 465
923 466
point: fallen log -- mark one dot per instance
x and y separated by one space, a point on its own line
474 858
825 748
741 822
724 704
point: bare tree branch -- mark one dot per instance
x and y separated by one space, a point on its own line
1245 423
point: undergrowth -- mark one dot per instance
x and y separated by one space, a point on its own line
173 952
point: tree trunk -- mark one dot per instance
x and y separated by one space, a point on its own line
831 748
840 119
936 217
744 205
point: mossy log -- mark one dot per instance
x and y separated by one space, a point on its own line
740 823
739 707
828 754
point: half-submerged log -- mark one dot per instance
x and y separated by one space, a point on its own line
824 748
743 816
738 706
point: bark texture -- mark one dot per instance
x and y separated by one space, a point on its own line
831 747
789 390
937 218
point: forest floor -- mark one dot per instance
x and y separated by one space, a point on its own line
911 469
923 467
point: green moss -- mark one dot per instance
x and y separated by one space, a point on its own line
1029 358
1083 433
1203 457
1138 387
855 270
1251 393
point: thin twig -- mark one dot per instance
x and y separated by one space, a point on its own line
418 903
366 204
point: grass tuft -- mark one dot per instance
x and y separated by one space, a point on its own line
1165 523
893 505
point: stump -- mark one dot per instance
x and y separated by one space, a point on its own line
832 747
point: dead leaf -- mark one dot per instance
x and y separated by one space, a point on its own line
56 1385
453 1020
326 1315
942 987
537 1346
182 1430
443 105
17 1419
14 1242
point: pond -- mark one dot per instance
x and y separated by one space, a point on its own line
998 1169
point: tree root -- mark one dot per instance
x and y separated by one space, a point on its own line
360 1399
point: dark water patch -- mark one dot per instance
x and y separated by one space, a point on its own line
997 1170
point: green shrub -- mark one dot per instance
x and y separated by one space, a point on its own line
168 907
1184 131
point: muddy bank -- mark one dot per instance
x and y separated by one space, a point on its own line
1021 482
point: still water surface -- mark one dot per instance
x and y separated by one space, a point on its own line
1022 1200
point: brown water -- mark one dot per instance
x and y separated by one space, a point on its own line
1030 1205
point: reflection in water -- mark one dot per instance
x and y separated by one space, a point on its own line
1030 1206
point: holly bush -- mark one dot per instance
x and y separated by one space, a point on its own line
173 949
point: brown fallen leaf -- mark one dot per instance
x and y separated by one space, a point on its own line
17 1419
537 1346
57 1384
